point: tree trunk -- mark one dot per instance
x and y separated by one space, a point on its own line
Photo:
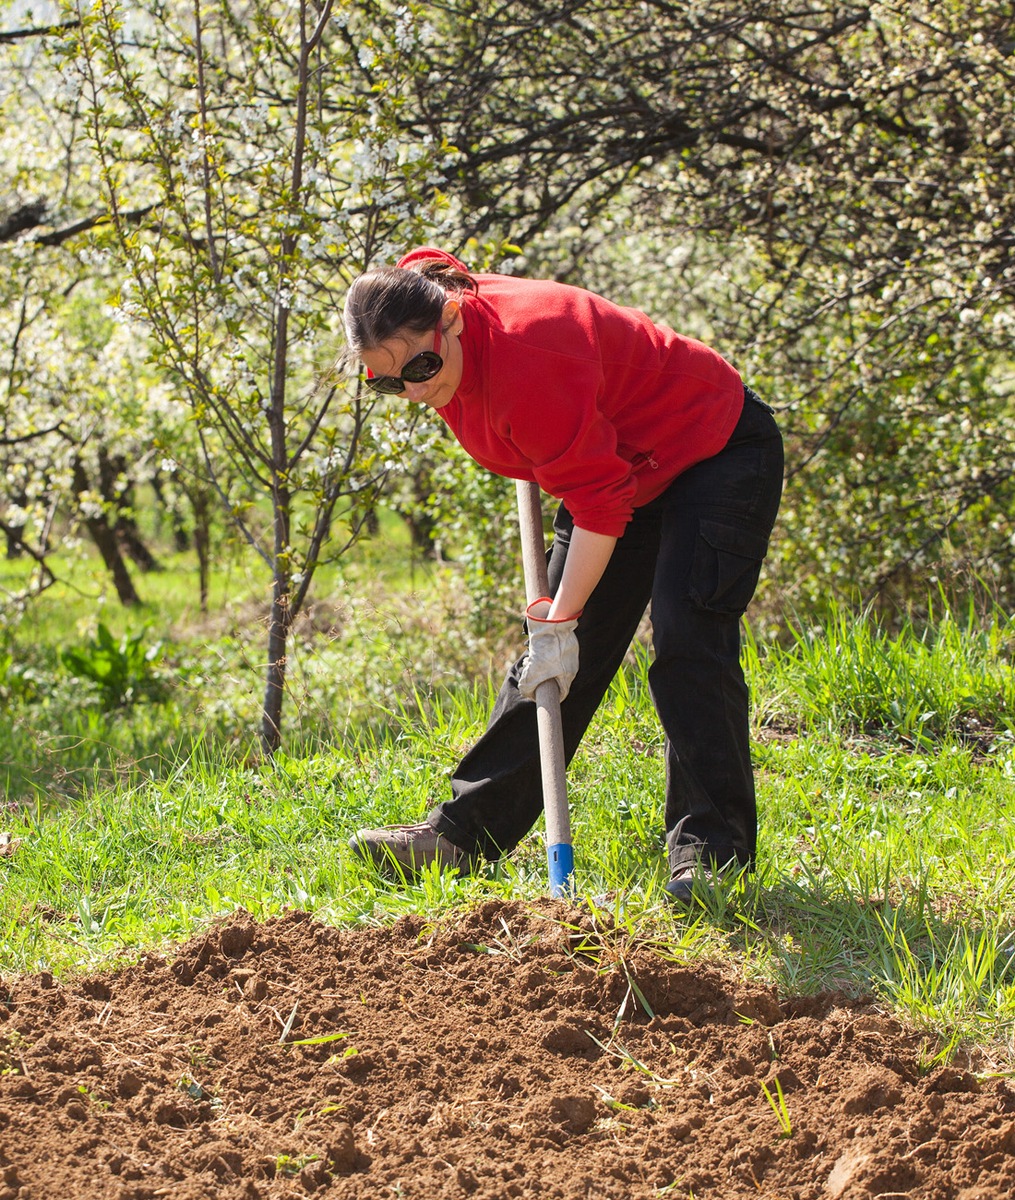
281 504
104 537
120 500
181 539
106 544
199 502
274 691
12 533
129 538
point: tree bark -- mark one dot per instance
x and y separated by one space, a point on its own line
12 533
274 692
105 541
130 540
104 537
199 502
112 471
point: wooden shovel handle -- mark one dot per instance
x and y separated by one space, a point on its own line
560 855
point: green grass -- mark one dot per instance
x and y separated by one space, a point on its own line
848 674
885 765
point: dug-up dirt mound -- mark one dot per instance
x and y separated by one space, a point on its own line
499 1056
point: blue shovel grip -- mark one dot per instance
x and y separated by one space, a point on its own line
560 859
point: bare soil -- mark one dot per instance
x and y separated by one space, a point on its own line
503 1055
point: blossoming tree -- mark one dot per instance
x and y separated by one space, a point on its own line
270 183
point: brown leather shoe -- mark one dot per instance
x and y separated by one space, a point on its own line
691 883
410 849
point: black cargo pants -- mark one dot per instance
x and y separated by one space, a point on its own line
695 553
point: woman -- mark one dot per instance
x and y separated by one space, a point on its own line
669 474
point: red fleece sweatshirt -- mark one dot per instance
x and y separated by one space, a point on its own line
598 405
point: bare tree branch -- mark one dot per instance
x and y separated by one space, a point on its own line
30 437
59 236
33 214
26 216
19 35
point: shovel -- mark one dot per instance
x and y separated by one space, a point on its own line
559 851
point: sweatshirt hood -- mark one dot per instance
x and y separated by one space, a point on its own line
425 254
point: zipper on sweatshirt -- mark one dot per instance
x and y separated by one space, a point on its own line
644 460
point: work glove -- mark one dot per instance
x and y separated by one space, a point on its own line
553 650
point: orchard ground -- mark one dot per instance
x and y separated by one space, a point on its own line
522 1049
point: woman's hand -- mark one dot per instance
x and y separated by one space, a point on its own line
553 650
553 646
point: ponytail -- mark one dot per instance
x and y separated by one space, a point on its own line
388 300
454 280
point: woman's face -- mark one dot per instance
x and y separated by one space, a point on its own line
390 357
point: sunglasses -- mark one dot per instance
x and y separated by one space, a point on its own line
418 369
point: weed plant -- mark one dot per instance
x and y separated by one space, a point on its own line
885 766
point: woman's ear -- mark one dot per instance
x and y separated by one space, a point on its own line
452 321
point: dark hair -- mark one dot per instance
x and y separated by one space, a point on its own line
387 300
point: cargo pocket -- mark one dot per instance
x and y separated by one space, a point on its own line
727 563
